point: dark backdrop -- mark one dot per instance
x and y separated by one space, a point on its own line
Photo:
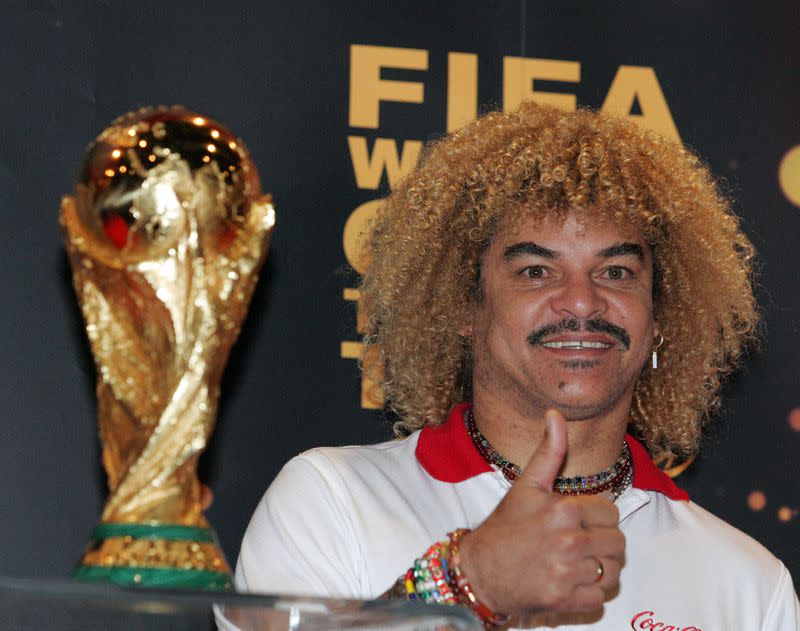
278 74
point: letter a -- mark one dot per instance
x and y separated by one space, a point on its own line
640 82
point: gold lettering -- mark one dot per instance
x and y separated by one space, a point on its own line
349 293
519 78
355 234
352 295
367 89
369 169
462 89
640 82
371 374
351 350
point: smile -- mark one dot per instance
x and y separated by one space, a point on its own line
576 344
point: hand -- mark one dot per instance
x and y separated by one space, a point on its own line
538 551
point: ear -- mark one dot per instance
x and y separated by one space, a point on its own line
658 338
465 330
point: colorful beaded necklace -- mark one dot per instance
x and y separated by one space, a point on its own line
615 479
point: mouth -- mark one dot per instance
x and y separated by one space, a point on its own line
574 335
577 345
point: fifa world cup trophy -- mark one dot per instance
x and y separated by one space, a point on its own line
165 234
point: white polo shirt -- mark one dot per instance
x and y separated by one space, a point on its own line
348 521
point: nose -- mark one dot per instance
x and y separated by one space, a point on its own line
579 297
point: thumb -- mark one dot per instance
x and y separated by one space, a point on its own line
546 461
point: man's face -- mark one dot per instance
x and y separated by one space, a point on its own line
566 317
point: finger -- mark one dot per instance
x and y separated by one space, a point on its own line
598 511
580 511
605 542
583 599
546 461
600 571
570 545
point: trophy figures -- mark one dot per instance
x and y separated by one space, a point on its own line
165 235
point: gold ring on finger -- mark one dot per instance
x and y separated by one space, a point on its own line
599 571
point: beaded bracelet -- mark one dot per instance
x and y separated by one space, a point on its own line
459 583
430 576
437 577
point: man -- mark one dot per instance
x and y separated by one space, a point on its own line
572 278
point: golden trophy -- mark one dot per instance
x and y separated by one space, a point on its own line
166 234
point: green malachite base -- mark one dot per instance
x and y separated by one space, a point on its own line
161 555
168 532
155 577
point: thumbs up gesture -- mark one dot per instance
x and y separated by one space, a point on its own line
541 552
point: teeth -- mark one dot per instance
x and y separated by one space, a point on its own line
577 344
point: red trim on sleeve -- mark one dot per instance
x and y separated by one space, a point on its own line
447 454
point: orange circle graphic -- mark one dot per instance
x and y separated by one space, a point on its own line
756 500
794 419
785 513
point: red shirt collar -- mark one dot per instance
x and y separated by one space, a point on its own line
446 452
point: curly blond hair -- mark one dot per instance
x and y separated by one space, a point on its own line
430 235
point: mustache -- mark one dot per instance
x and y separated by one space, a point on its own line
595 325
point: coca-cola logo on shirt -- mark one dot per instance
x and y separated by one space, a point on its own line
647 620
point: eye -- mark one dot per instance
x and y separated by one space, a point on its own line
617 272
535 271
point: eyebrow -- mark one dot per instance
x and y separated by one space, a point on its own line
529 248
534 249
623 249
